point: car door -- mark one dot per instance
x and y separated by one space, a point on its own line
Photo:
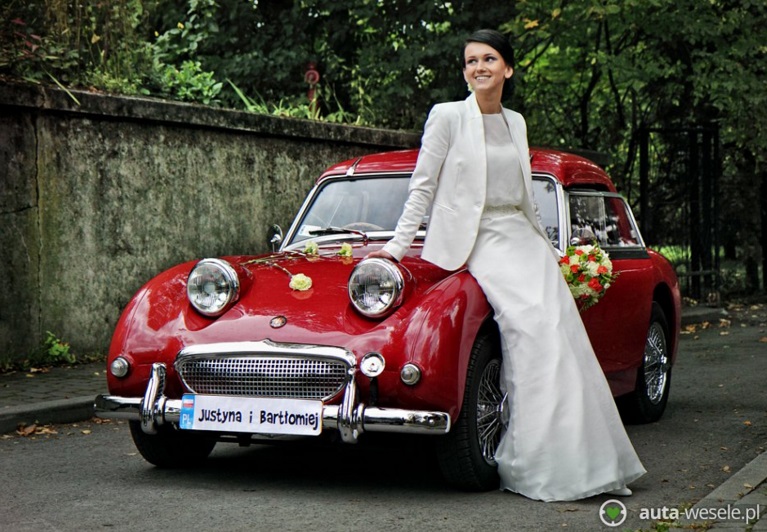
617 325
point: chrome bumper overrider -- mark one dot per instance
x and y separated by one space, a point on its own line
350 418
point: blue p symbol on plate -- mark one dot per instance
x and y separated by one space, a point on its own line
187 412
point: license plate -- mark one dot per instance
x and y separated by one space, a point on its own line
254 415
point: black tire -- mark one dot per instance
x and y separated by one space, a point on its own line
170 447
647 402
466 454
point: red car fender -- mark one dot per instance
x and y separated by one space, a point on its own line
444 327
668 295
147 329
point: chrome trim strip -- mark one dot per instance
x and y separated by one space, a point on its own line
353 167
267 347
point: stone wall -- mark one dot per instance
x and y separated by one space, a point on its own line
101 194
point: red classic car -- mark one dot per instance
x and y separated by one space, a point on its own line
311 341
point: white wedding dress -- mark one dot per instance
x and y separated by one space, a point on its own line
565 439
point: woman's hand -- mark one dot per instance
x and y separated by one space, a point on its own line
380 254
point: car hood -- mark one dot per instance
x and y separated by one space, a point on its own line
268 308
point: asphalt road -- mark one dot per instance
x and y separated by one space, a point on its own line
89 476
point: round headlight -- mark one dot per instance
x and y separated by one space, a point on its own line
212 287
375 287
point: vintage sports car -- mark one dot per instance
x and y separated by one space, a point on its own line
311 341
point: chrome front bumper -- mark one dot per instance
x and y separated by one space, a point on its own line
350 418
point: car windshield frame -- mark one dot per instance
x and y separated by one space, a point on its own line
330 230
546 209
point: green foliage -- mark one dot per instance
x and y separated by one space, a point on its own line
189 83
56 352
78 43
52 352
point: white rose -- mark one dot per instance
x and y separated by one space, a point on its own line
300 282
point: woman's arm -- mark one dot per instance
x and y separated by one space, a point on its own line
423 184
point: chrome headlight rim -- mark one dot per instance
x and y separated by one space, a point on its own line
386 268
228 276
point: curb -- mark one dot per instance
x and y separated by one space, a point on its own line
59 411
743 489
693 315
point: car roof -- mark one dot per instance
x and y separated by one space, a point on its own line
572 170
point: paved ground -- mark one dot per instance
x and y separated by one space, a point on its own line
65 395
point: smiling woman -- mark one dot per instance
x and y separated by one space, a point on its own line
487 74
564 438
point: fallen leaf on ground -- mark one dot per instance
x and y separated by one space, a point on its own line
86 431
748 486
724 322
724 333
763 339
747 423
26 431
726 469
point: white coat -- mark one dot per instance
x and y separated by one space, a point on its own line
451 176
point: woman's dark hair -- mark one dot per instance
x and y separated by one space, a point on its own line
499 42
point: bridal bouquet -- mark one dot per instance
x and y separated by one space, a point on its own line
588 272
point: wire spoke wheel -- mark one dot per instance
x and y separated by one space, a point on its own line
647 402
655 363
466 454
490 411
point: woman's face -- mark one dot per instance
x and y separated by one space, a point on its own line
484 68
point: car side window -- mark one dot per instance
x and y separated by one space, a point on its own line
545 194
602 217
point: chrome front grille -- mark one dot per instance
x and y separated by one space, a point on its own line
263 375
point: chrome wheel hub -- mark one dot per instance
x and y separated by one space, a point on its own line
655 363
492 411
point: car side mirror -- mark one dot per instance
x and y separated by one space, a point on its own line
276 237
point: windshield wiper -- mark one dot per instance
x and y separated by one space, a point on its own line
331 230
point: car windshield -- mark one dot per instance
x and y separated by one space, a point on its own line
365 204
